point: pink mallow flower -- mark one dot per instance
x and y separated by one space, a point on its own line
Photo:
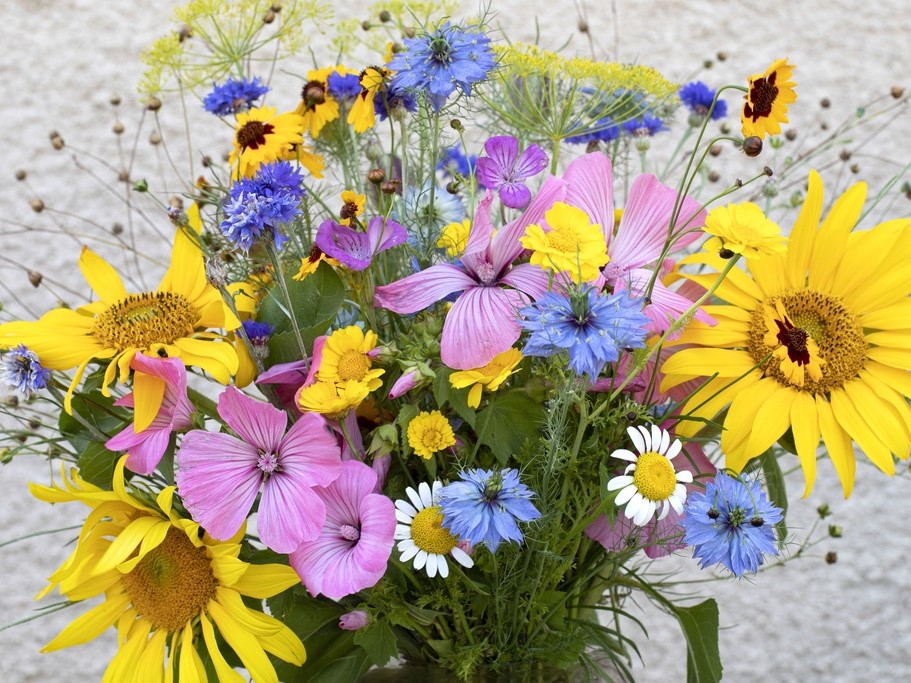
219 475
353 547
483 321
146 444
356 249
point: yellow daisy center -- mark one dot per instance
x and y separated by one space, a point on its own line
826 320
140 320
352 365
172 584
564 240
654 476
428 533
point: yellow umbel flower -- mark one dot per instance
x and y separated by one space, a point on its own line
837 304
345 358
167 589
262 135
491 375
429 433
454 238
743 229
767 100
169 322
573 244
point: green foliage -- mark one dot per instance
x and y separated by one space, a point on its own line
700 627
509 420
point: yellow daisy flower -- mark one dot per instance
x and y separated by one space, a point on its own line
820 337
573 244
166 588
743 229
429 433
767 100
332 399
171 322
311 263
345 357
362 115
491 375
262 136
317 106
352 206
454 238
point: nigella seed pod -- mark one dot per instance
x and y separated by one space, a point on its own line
115 100
897 91
825 103
790 133
385 16
757 521
154 138
714 176
715 150
269 17
117 128
452 187
37 205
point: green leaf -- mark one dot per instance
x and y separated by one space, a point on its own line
509 420
700 628
774 480
378 642
444 393
96 465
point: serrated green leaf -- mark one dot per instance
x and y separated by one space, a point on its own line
509 420
700 628
774 480
378 642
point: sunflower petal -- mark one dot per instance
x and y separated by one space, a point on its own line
243 643
222 669
805 427
101 276
803 234
90 625
832 238
857 427
838 444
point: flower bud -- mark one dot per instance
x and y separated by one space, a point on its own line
790 133
752 146
831 557
825 103
352 621
35 278
835 531
391 186
897 91
117 128
154 104
376 175
714 176
456 125
385 16
117 229
37 205
269 17
21 174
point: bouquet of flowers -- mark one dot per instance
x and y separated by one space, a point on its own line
431 367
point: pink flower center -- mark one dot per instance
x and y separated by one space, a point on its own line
268 462
349 533
486 273
613 272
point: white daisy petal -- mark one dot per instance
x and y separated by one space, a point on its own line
408 554
630 468
403 517
406 507
674 449
676 503
462 557
420 559
415 498
661 435
619 482
665 508
432 564
625 495
435 491
426 495
443 566
632 506
645 513
637 439
685 476
402 531
624 454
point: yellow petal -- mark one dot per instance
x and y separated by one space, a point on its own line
881 380
222 669
896 316
101 276
896 358
274 636
151 662
90 625
126 542
805 427
866 255
125 664
219 359
878 413
770 272
691 363
838 444
887 288
148 392
265 580
833 237
244 644
191 669
186 274
803 234
708 401
757 417
856 426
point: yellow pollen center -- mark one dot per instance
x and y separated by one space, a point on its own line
563 240
172 584
826 320
428 533
140 320
654 476
353 365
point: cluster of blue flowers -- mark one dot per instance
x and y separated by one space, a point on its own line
234 96
485 506
731 524
344 86
21 371
602 130
268 200
698 98
593 328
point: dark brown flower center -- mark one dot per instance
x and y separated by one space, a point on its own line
349 211
253 134
794 339
313 94
762 96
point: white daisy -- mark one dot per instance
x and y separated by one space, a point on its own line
421 534
650 478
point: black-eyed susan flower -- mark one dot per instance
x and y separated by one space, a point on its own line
429 433
814 341
263 135
767 100
172 322
352 206
743 229
168 589
317 106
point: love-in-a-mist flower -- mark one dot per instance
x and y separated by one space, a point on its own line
263 135
167 588
352 550
219 475
422 538
591 327
146 442
503 170
490 376
650 482
21 370
571 244
355 249
743 229
698 98
486 507
429 433
767 100
437 63
731 524
234 96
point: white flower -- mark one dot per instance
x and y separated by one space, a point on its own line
422 536
650 478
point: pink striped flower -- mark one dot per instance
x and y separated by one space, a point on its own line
219 475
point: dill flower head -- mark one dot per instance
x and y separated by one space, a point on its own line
572 244
743 229
21 371
767 100
437 63
429 433
234 96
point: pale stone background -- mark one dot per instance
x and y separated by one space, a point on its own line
808 621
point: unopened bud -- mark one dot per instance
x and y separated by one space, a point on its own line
583 26
721 56
57 141
269 17
452 187
37 205
124 176
844 155
768 171
725 128
117 128
154 138
855 168
115 100
714 176
21 174
823 511
456 125
725 253
715 150
276 7
141 185
185 33
376 175
391 186
752 146
117 229
835 531
409 32
897 91
825 103
790 133
365 25
385 16
35 278
831 557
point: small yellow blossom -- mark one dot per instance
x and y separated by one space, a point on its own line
573 244
429 433
743 229
491 375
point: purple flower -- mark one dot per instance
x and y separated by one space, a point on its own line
344 86
503 169
21 370
645 126
220 475
356 249
353 547
147 443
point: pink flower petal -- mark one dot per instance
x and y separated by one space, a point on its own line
289 513
514 195
528 279
144 457
591 188
480 324
309 452
259 424
417 292
531 163
505 246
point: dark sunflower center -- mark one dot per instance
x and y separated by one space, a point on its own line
349 211
172 584
253 134
826 320
140 320
762 96
313 94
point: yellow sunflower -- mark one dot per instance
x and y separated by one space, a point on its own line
262 136
166 587
573 244
767 100
820 337
169 322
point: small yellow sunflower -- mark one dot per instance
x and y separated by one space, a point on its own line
346 357
167 587
169 322
743 229
816 340
490 376
262 136
352 206
429 433
317 106
573 244
332 399
767 100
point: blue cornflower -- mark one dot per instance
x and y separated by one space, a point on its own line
438 63
731 524
393 99
644 126
602 130
698 97
591 327
20 370
344 86
455 163
266 201
234 96
485 506
257 333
